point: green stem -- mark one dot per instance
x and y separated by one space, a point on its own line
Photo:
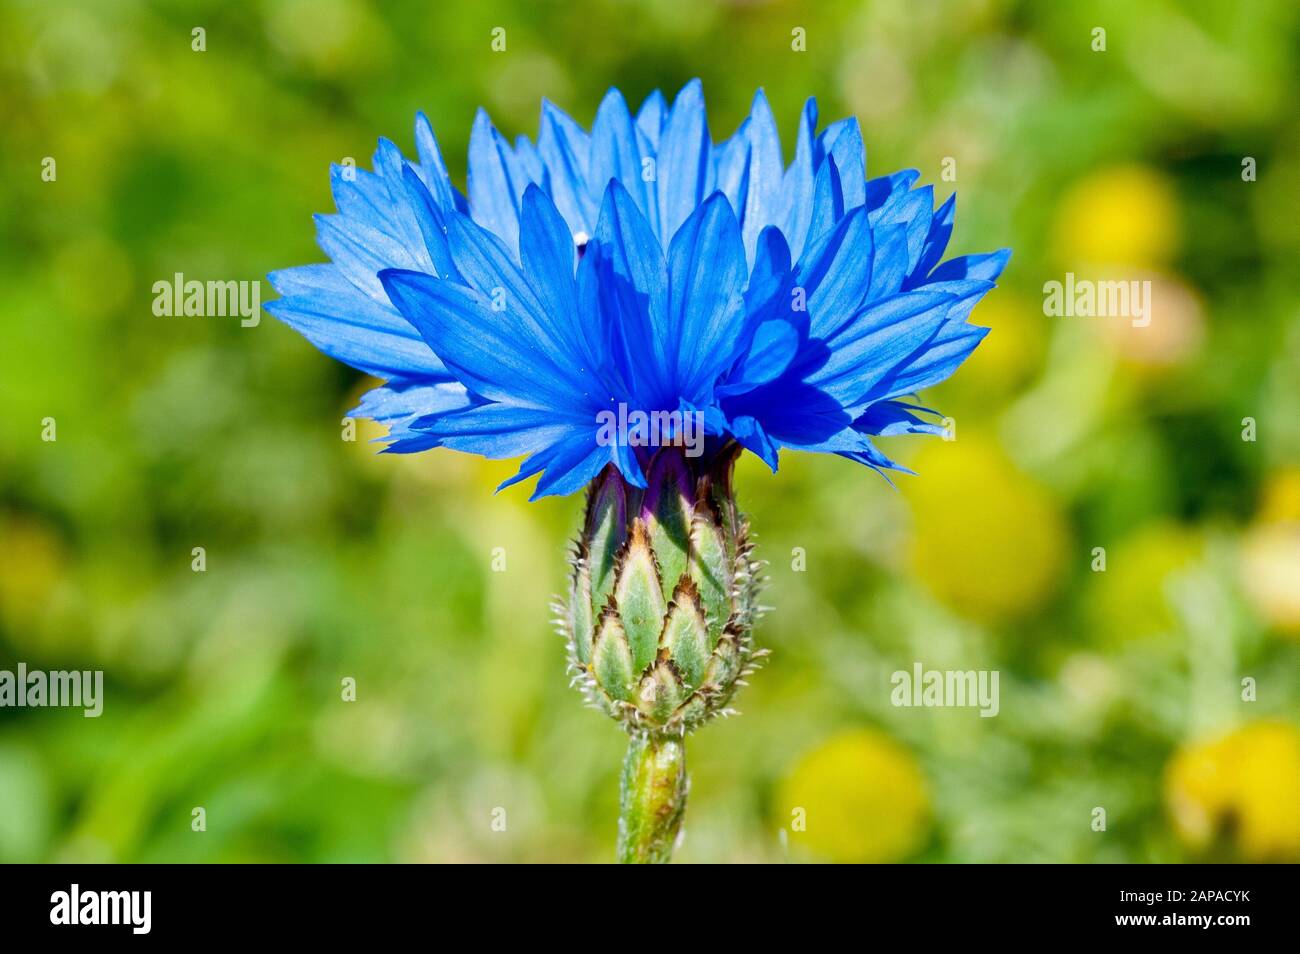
653 799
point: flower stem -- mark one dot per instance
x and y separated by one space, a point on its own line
653 799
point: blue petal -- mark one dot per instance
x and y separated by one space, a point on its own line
842 141
684 168
392 166
361 196
771 336
616 154
569 465
496 181
880 190
433 170
877 461
888 418
770 278
430 220
400 403
625 460
624 273
530 162
772 347
937 361
485 265
891 265
936 242
763 204
799 183
967 293
484 349
706 276
940 354
836 273
326 309
828 200
652 115
749 432
731 170
828 436
565 149
360 252
914 210
548 256
984 267
868 352
498 430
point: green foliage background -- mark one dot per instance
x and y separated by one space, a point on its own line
325 561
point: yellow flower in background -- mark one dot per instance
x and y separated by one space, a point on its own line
1270 555
987 539
1128 600
1244 786
857 797
1281 497
1124 215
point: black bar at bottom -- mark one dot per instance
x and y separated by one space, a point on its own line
336 903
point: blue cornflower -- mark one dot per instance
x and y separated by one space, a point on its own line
639 266
640 269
